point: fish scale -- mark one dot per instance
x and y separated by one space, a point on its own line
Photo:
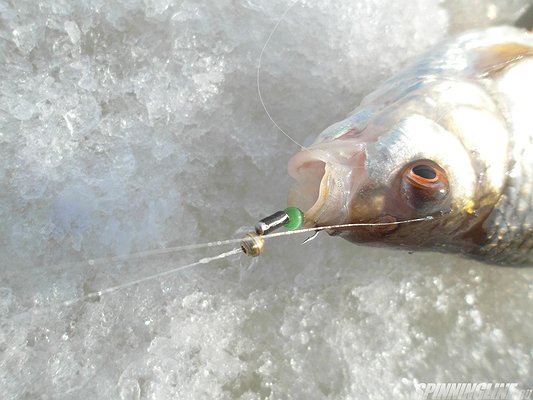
511 222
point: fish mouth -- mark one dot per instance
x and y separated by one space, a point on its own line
310 193
324 180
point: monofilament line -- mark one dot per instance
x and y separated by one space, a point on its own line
207 260
258 75
102 292
343 226
235 251
218 243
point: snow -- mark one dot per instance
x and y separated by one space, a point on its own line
134 125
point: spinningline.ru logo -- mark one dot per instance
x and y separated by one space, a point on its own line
472 391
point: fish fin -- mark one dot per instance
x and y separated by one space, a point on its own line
493 59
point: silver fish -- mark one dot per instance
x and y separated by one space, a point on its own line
450 137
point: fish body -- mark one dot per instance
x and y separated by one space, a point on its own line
451 136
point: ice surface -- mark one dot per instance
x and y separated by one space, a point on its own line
134 125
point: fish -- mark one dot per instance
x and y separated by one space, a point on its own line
449 137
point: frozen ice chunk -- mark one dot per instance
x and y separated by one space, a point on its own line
26 37
84 117
21 109
73 31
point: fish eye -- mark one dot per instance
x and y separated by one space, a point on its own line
424 171
424 185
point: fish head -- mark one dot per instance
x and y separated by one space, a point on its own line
383 170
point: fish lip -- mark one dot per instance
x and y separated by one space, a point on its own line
329 205
305 195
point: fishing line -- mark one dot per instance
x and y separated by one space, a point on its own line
99 293
258 75
235 251
218 243
207 260
341 226
224 242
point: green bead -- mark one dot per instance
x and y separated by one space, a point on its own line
296 218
